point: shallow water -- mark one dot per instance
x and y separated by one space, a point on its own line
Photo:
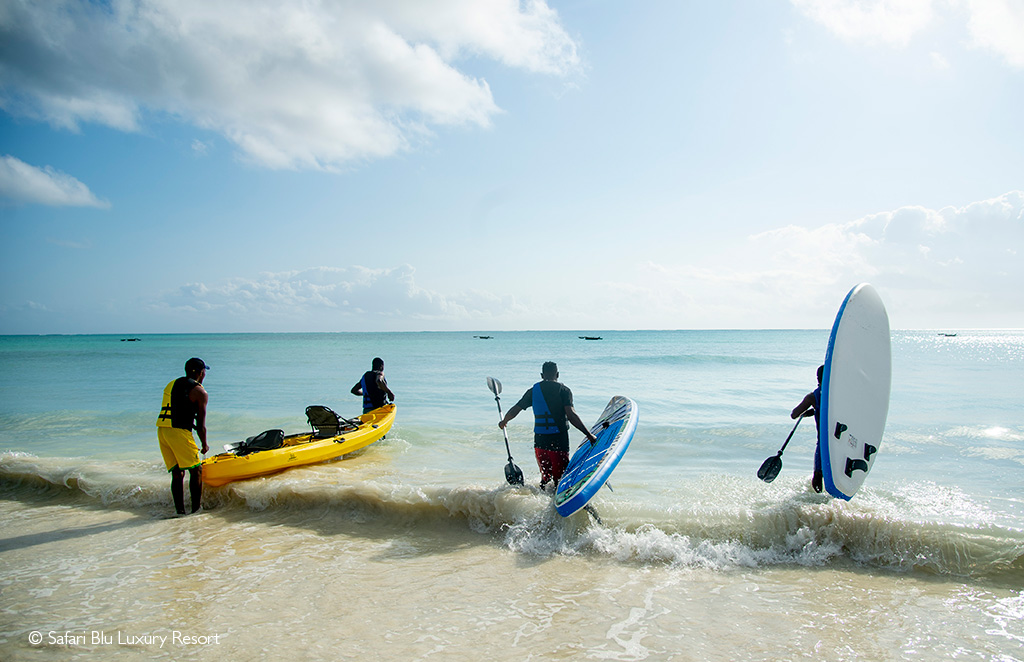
324 584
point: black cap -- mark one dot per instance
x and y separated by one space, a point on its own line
194 365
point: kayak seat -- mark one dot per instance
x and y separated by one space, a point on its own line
264 441
325 423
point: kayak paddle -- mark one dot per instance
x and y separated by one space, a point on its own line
513 474
773 465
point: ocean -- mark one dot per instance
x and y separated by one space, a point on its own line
416 548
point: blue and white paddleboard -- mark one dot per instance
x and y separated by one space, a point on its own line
855 388
592 464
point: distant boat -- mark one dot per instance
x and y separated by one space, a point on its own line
948 335
130 339
591 338
484 337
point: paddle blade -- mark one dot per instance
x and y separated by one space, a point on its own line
513 474
770 469
494 385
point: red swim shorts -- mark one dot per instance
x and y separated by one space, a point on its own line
552 464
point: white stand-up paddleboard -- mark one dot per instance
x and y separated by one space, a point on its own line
592 464
855 388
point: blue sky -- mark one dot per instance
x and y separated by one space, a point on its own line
185 166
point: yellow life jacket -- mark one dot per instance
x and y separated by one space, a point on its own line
176 409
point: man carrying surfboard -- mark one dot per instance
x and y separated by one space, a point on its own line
813 400
552 412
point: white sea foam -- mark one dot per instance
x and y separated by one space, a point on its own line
896 532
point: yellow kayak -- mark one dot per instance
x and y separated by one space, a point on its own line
300 449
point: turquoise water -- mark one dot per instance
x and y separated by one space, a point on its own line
712 402
944 502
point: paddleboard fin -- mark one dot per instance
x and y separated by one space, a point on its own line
840 429
869 450
855 465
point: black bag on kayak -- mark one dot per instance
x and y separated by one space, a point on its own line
264 441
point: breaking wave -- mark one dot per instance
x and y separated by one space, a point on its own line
794 528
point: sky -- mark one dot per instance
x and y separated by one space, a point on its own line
184 166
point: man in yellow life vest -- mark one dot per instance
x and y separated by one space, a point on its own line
184 409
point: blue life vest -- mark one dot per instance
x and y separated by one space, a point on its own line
373 395
367 400
543 421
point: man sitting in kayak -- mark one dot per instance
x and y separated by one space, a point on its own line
552 411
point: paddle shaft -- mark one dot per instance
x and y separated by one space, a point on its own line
513 474
503 430
799 418
771 467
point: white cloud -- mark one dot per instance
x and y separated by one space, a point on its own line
24 183
199 148
939 61
332 298
893 22
518 34
996 25
952 259
951 267
293 84
956 265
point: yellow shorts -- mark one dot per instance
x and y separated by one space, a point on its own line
178 448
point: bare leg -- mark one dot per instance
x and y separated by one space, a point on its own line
195 487
178 490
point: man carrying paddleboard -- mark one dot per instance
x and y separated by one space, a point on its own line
552 412
813 400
